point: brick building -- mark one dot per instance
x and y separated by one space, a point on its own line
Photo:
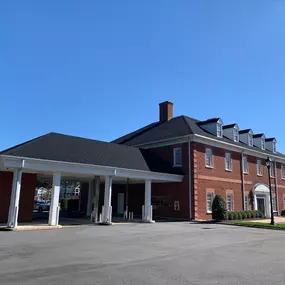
222 159
173 168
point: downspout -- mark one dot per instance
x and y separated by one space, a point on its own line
276 188
242 180
190 179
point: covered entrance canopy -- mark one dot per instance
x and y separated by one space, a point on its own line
61 155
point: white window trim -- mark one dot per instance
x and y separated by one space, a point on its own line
230 169
232 202
275 211
250 136
209 166
259 174
219 125
245 171
209 212
262 146
282 168
237 134
246 203
174 157
272 175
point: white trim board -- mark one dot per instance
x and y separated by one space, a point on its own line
42 165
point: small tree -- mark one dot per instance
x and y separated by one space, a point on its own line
219 208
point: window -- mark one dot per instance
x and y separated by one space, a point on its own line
230 202
246 203
274 147
274 204
259 167
250 140
228 161
219 130
209 202
262 143
235 135
271 169
177 157
209 162
245 169
282 172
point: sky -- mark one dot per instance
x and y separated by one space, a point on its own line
99 69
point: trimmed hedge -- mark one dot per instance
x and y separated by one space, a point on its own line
283 213
245 215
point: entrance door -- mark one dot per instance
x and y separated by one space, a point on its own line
261 205
121 203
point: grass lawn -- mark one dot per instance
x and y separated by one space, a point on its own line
259 225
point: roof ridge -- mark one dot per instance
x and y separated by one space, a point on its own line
25 143
184 119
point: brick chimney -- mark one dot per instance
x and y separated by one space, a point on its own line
165 111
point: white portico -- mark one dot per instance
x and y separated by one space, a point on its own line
59 169
261 196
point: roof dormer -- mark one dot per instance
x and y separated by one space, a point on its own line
246 136
259 141
213 126
270 144
231 132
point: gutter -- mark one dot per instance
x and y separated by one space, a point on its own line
190 179
276 188
242 181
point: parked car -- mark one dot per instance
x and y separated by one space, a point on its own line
41 206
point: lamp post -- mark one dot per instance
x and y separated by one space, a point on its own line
268 164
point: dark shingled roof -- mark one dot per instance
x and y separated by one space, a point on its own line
229 126
60 147
244 131
257 136
178 127
270 139
212 120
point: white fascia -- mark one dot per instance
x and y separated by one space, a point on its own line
42 165
212 142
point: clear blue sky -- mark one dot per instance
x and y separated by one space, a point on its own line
98 69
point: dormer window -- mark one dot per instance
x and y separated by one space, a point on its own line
231 132
262 144
219 130
270 144
235 135
213 126
250 140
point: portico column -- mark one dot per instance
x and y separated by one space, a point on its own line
89 201
107 200
95 198
54 207
15 198
147 202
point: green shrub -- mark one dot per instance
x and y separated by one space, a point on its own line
219 208
244 215
239 215
248 214
253 214
235 215
283 213
230 215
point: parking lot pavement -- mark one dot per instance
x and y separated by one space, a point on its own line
163 253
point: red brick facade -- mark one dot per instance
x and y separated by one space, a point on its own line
220 181
26 198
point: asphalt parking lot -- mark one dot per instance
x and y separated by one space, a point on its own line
163 253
